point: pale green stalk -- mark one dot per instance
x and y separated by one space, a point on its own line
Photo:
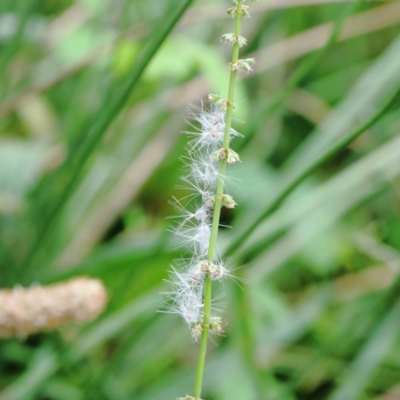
217 212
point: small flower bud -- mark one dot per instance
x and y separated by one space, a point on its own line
219 154
209 201
245 11
226 154
221 102
203 267
217 272
242 41
214 97
231 11
233 38
234 10
196 329
229 38
216 325
232 157
227 201
243 65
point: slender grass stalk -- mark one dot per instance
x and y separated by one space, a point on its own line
217 209
207 157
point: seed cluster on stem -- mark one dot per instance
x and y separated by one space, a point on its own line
194 221
198 214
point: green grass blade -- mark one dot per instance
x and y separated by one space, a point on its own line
288 188
356 184
359 373
106 115
43 364
300 74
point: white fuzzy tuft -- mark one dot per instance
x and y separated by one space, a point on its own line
192 224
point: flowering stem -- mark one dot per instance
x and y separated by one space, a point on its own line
217 211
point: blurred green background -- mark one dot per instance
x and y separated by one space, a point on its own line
93 103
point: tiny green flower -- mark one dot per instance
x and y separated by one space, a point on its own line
226 154
244 10
243 65
215 98
227 201
233 38
197 329
241 41
216 325
231 11
203 267
221 102
217 272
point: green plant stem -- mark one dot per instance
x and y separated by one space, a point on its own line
217 213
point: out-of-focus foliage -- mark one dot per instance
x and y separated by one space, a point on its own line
92 106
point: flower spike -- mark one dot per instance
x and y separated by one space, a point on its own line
198 212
